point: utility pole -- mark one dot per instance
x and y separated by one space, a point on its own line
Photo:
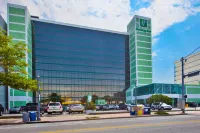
183 76
38 116
183 59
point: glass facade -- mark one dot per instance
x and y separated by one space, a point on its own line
74 62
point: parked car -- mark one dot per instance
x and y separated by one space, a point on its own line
129 106
99 107
192 104
54 107
44 107
164 106
147 105
1 110
33 107
76 108
107 107
23 109
15 109
116 106
155 105
122 106
160 106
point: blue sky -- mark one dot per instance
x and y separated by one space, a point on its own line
175 23
176 41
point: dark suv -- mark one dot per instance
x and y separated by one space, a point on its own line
1 110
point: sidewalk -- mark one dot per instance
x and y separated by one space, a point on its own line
80 117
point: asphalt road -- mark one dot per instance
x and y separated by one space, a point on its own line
160 124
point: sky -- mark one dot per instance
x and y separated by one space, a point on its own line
175 23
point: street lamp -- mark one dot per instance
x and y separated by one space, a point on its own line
184 59
183 76
38 116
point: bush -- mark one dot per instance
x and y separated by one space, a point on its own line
90 106
161 112
159 98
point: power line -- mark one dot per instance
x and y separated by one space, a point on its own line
192 52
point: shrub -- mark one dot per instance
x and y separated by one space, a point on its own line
159 98
161 112
90 106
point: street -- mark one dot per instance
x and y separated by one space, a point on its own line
159 124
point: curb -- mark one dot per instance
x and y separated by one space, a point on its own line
102 113
38 122
9 117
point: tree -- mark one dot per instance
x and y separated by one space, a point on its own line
159 98
94 98
53 97
107 98
84 99
12 61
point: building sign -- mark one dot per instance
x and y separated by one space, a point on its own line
143 26
143 23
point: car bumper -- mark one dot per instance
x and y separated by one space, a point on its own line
76 110
52 110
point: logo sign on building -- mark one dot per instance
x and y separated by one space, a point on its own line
143 23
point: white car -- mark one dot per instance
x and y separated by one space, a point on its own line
164 106
54 107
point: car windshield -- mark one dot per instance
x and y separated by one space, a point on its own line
54 104
31 104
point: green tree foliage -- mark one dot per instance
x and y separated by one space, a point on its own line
53 97
108 98
12 60
94 98
90 106
159 98
84 99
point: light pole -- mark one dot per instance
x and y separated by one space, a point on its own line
38 116
183 76
184 59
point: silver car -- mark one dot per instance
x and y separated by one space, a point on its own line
15 109
76 108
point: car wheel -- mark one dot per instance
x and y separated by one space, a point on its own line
61 113
162 108
153 108
1 113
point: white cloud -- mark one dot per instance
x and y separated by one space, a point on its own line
107 14
154 54
165 13
155 40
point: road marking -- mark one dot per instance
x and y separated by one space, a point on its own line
122 127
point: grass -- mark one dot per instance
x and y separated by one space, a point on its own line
160 112
93 118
